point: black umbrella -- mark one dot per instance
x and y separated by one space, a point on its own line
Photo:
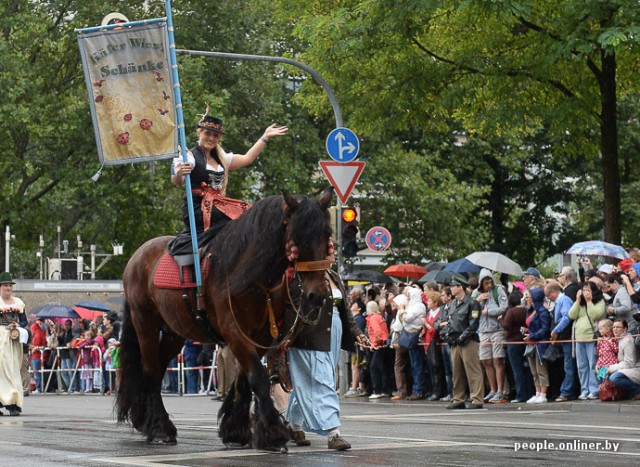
441 277
57 311
93 305
369 276
117 300
434 266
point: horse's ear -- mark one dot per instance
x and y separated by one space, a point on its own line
290 201
325 197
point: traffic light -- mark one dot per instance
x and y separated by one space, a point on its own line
349 232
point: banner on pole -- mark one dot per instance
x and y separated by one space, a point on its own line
128 77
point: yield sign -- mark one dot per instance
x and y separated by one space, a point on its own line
342 176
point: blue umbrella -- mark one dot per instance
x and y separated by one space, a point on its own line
93 305
462 265
57 311
597 247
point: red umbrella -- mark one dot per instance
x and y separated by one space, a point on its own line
406 270
86 313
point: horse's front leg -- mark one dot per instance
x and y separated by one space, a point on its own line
269 430
234 427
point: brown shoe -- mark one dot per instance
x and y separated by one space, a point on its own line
397 398
338 443
561 399
298 437
415 397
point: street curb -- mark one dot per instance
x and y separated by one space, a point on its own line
571 406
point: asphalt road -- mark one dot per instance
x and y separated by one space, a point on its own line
65 430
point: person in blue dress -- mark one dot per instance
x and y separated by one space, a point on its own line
314 405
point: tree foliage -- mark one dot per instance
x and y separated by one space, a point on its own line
484 124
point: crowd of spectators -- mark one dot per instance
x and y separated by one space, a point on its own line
80 357
466 342
83 357
485 340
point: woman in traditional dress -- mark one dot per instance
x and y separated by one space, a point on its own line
314 405
11 336
208 165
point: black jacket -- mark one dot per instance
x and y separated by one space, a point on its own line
464 319
571 290
318 336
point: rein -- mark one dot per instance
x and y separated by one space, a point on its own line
271 317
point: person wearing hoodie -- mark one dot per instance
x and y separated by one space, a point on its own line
38 342
539 329
412 321
493 304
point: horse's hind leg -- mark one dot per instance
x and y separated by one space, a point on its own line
143 363
234 425
269 430
158 428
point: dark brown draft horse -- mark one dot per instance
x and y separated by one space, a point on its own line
248 261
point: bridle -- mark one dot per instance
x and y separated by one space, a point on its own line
298 266
308 266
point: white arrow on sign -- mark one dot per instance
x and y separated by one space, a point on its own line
349 147
342 176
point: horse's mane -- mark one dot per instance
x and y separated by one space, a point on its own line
255 241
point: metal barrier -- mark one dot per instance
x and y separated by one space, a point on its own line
111 373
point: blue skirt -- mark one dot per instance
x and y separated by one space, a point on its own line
314 403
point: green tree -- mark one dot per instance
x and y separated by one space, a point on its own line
508 69
49 155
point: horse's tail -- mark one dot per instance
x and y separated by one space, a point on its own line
129 403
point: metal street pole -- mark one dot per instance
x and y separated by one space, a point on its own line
338 116
7 238
316 76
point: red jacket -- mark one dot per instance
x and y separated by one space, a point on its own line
431 332
378 331
39 339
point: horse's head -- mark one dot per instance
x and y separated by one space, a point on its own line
308 242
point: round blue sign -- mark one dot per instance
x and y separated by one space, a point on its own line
343 145
378 238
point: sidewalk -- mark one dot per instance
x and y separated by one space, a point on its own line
625 406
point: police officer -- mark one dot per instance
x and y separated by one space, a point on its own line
462 335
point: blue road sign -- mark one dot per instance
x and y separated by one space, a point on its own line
343 145
378 238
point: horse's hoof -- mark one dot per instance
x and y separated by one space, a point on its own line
165 441
280 450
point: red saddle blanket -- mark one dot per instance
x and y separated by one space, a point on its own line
167 275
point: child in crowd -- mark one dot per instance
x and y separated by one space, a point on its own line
607 348
86 375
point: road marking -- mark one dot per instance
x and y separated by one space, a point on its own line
169 460
10 443
446 418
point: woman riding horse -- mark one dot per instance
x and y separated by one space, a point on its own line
245 290
208 165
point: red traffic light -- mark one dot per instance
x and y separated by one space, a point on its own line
349 215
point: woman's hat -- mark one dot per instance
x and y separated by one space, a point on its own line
211 123
5 278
